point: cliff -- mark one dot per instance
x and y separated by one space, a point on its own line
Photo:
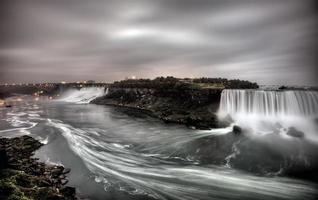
192 107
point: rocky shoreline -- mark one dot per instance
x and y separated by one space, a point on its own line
24 177
193 108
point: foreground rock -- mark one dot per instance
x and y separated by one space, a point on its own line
23 177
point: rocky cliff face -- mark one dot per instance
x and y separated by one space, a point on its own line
194 108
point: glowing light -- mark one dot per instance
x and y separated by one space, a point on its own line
184 37
131 33
63 82
36 99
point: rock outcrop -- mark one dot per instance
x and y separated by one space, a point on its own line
194 108
293 132
23 177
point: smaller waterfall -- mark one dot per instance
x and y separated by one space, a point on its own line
84 95
269 103
106 91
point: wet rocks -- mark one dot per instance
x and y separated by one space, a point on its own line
23 177
292 131
237 130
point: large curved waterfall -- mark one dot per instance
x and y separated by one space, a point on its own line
83 95
269 103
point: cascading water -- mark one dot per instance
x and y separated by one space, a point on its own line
272 111
84 95
269 103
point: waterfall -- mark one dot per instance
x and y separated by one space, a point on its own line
106 91
269 103
84 95
265 112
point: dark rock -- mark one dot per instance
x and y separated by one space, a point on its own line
292 131
56 172
62 176
64 181
44 183
23 177
66 171
23 180
3 159
68 191
282 87
237 130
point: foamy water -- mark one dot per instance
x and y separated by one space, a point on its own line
83 95
266 112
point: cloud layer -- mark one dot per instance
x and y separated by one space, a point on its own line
271 42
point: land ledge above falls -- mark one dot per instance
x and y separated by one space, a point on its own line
195 108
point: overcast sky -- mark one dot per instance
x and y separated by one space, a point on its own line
267 41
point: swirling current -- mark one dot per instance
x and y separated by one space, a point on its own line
114 155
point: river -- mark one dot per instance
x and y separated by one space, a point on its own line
119 154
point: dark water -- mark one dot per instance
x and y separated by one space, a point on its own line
114 155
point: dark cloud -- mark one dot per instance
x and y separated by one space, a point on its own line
271 42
